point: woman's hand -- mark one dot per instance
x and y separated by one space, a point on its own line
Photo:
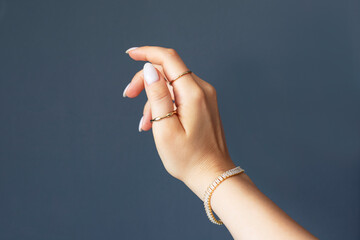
191 144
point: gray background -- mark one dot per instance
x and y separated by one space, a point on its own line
73 165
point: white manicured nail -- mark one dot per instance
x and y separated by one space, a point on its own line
150 73
124 92
140 124
127 51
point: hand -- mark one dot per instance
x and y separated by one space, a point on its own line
191 144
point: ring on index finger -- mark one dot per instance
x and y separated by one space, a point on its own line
183 74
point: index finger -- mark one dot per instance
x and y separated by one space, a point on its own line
172 65
166 57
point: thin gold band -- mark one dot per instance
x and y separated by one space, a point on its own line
165 116
187 72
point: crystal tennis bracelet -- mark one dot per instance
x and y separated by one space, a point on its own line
212 187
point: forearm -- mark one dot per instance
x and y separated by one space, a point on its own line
245 211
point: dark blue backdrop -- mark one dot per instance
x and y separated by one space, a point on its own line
72 164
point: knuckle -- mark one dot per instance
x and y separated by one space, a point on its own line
211 90
198 95
158 95
171 52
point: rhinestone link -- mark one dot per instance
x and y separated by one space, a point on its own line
212 187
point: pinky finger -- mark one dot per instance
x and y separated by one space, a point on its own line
145 123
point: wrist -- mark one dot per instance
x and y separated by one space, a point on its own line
200 177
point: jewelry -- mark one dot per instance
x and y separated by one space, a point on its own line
187 72
212 187
165 116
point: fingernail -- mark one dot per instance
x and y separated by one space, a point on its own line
132 48
124 92
150 73
140 124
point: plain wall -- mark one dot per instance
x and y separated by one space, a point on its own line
74 166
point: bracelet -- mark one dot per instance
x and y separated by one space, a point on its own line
211 189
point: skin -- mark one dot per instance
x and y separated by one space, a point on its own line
193 149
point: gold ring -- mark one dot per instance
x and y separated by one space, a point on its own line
187 72
166 116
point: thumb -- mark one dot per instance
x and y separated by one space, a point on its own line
160 100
